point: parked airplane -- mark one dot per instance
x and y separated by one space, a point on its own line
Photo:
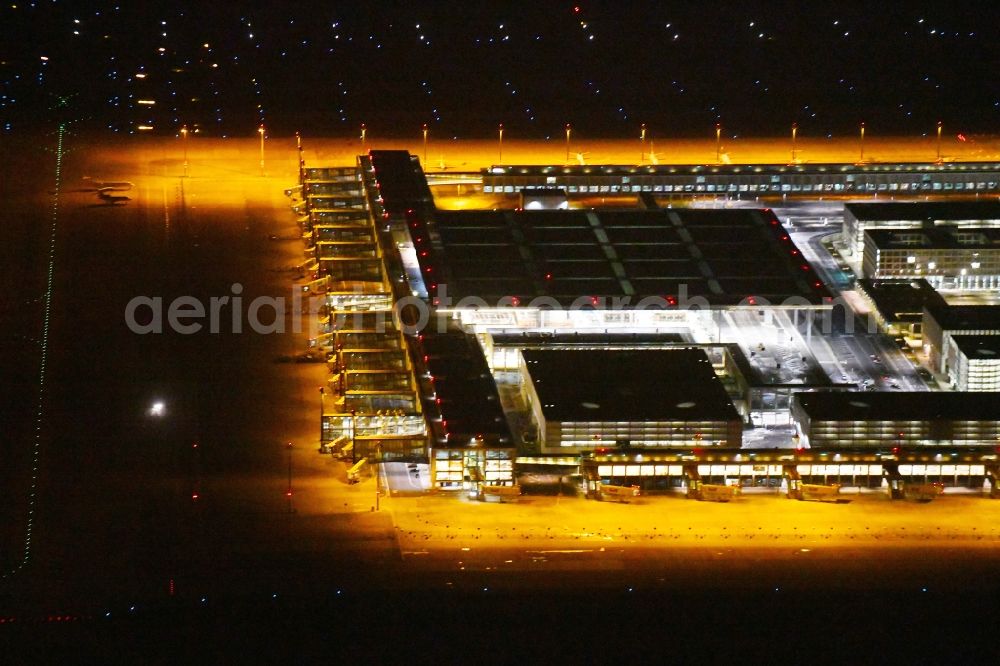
106 195
104 185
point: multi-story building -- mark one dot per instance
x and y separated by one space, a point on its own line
898 305
973 362
947 257
860 217
831 420
942 324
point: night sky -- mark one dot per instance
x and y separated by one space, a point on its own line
462 67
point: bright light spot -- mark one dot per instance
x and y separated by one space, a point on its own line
157 409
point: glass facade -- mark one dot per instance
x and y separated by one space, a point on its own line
590 434
471 468
750 180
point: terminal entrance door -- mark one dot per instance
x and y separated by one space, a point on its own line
473 462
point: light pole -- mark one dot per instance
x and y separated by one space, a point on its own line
302 162
364 134
425 145
288 493
260 130
184 141
718 143
862 159
378 478
500 146
939 126
795 131
568 131
322 410
196 493
642 144
354 435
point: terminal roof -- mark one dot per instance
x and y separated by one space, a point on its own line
466 395
720 257
629 385
401 182
966 317
899 406
901 300
979 347
925 210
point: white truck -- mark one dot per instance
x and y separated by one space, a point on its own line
620 493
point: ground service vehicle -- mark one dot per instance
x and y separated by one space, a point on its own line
620 493
924 492
818 492
712 493
500 492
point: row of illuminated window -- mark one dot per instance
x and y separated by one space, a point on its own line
904 470
622 471
911 263
969 281
645 436
861 225
750 187
460 454
451 475
643 425
854 432
983 368
989 383
894 427
865 429
957 268
855 437
706 441
943 259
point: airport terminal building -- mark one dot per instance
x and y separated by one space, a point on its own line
533 340
587 399
829 420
